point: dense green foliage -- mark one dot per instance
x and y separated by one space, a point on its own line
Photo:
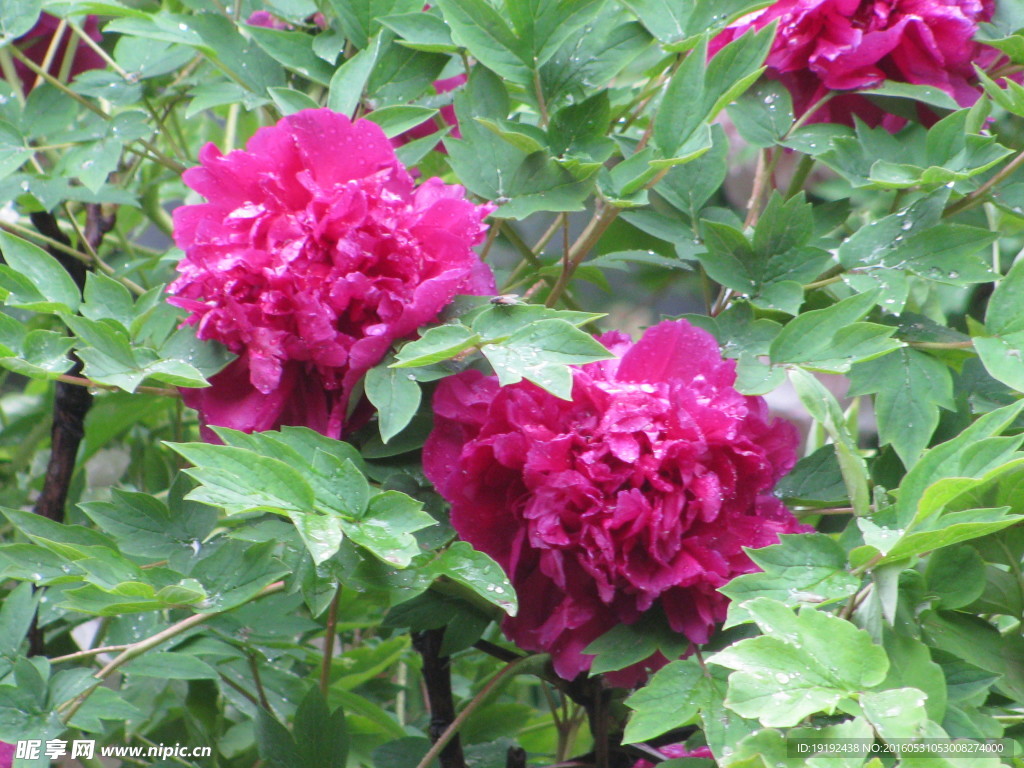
184 590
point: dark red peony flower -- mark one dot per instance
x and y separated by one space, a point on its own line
642 490
6 754
673 751
314 253
37 42
842 45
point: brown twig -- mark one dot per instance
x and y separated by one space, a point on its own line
330 638
133 651
451 733
971 199
437 678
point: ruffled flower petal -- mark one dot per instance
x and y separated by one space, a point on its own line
315 252
845 45
641 491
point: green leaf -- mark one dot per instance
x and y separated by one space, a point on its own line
575 126
1004 318
824 408
72 540
13 151
540 353
831 339
926 94
910 386
362 19
478 572
349 80
290 101
896 714
911 666
522 182
815 480
294 50
956 576
387 528
35 278
275 744
16 613
421 31
240 480
805 568
396 396
1003 358
676 23
764 114
168 665
501 320
436 344
688 187
700 89
805 663
107 298
628 644
321 735
670 699
399 118
235 573
977 642
479 28
322 534
951 459
17 17
103 709
43 355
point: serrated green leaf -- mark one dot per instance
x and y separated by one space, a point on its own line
240 480
806 568
805 663
910 386
670 699
540 352
386 529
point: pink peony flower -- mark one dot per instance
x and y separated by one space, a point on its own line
6 754
36 43
673 751
841 45
447 114
642 490
314 253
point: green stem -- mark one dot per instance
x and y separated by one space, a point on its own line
588 238
800 174
329 640
11 74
